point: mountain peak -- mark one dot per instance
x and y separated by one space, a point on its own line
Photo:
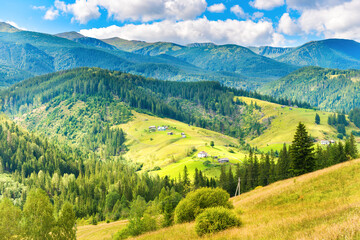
70 35
6 27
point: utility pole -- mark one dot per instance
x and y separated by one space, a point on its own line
237 192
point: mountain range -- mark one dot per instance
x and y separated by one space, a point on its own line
24 54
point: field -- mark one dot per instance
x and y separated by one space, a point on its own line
172 152
321 205
101 231
284 122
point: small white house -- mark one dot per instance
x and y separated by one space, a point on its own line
161 128
324 142
202 154
152 128
223 160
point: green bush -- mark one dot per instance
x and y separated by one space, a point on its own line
214 220
195 203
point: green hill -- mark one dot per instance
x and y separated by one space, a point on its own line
329 53
328 89
81 106
284 120
319 205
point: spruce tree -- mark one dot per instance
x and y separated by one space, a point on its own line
302 152
317 119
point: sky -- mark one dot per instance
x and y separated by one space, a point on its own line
246 23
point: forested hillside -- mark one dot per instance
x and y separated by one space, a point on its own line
204 104
328 89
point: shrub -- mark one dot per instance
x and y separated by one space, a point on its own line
214 220
195 203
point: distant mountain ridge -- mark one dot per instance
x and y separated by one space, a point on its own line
329 53
38 53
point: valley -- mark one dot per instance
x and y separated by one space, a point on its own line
179 120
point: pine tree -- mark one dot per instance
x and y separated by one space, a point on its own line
317 119
302 152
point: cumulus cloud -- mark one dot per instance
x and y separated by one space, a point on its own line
135 10
267 4
217 8
340 21
199 30
238 11
287 25
51 14
312 4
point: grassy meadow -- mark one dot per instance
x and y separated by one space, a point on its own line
321 205
284 122
172 152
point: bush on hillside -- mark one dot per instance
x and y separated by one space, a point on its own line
214 220
195 203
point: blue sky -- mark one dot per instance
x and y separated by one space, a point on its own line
248 23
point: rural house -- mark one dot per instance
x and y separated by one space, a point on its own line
202 154
223 160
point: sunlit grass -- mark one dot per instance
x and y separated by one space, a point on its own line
320 205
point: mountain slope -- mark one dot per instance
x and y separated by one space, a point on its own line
92 42
284 121
328 89
233 58
329 53
40 53
5 27
270 52
319 205
219 58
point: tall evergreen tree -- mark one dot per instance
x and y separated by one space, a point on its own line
302 152
317 119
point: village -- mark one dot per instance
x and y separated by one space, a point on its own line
201 154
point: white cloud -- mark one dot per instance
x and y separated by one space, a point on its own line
217 8
340 21
82 10
42 8
257 15
199 30
238 11
135 10
51 14
287 25
266 4
14 24
313 4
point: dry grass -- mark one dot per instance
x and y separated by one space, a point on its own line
101 231
320 205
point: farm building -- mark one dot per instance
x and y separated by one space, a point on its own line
223 160
170 133
152 128
202 154
161 128
183 135
324 142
